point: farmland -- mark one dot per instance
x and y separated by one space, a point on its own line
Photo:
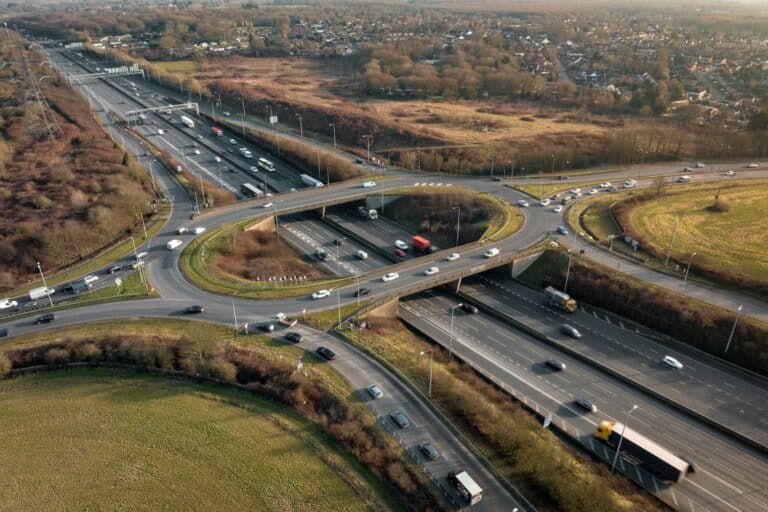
101 440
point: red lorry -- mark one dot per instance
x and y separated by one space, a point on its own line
217 131
421 244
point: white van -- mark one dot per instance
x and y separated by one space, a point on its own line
361 255
266 165
173 244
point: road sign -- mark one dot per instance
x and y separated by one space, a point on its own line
547 421
299 364
272 119
119 282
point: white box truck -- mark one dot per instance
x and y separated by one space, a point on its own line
189 123
173 244
39 293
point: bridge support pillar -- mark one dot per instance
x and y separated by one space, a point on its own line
458 285
322 212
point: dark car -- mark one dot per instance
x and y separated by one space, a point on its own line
197 308
293 336
496 178
586 405
338 241
400 419
326 353
359 161
5 332
469 308
556 364
399 252
429 451
563 178
321 255
46 318
362 291
571 331
115 269
267 327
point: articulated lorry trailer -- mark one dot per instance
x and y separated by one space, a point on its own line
558 299
652 456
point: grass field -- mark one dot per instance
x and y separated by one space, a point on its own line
735 239
105 440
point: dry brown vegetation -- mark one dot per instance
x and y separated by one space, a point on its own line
694 323
433 216
62 199
259 255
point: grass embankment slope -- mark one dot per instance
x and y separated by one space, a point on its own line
93 439
228 260
723 223
550 473
732 236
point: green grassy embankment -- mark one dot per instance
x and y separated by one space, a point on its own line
99 439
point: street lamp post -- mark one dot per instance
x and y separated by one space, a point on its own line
568 272
458 223
733 330
333 125
431 358
368 142
338 253
621 439
685 277
301 126
450 340
277 231
40 268
242 115
671 242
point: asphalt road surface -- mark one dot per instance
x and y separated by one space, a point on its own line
729 476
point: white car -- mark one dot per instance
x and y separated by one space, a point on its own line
453 256
401 245
683 179
523 203
90 279
700 165
217 158
606 184
374 391
558 208
321 294
575 191
233 142
729 173
160 131
197 151
226 113
254 168
268 205
8 303
688 168
490 253
369 184
431 271
390 277
752 165
592 191
672 362
545 202
199 230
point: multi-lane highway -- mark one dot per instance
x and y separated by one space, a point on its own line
734 484
728 476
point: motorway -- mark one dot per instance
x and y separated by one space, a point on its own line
728 477
736 481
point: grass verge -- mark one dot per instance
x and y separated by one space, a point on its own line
549 189
549 472
179 66
507 220
148 442
195 266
